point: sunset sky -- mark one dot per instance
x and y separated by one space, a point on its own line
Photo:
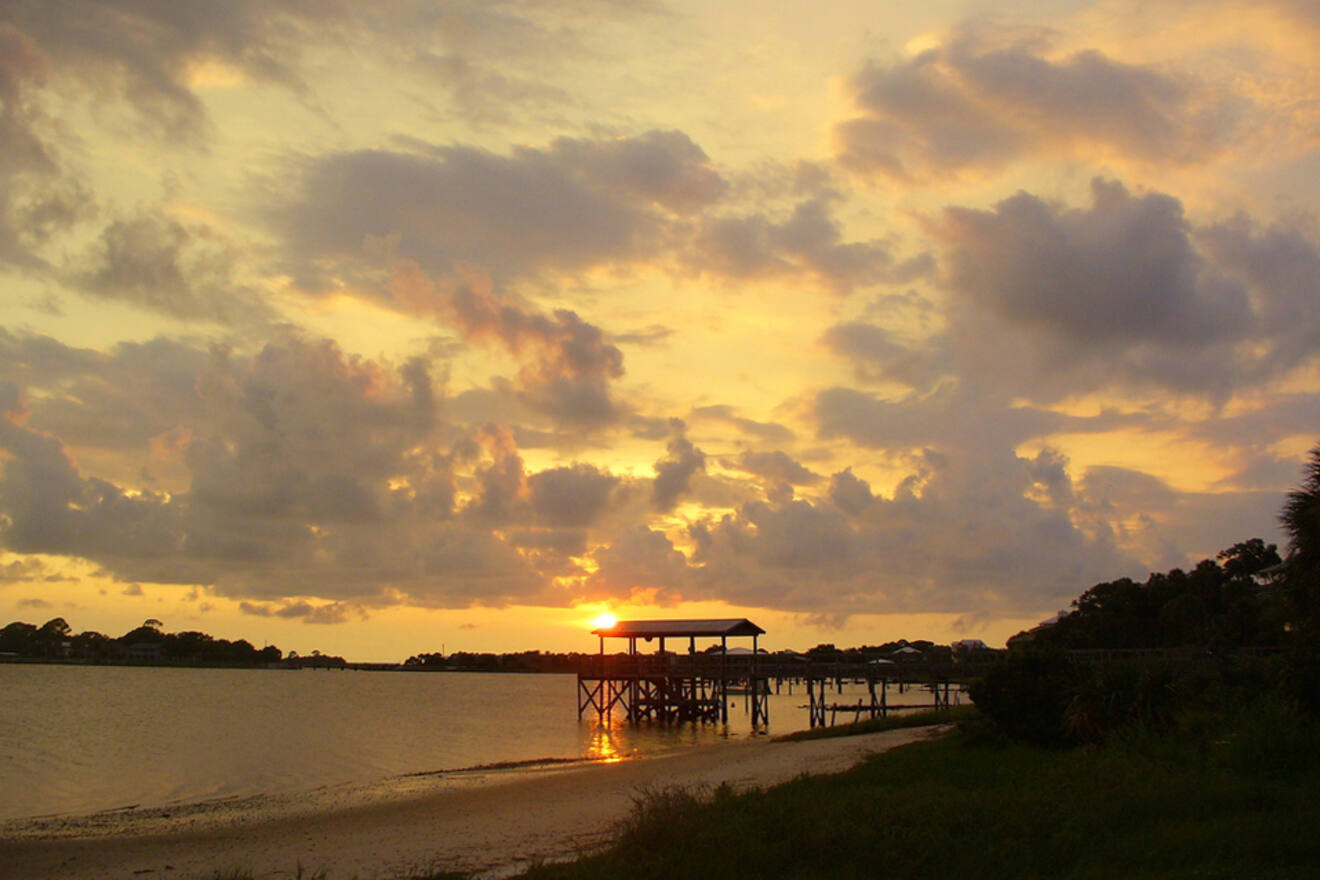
377 328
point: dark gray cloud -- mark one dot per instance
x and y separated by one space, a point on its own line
808 241
156 263
1166 526
327 613
881 354
777 466
849 493
1126 291
951 415
640 560
967 532
305 472
36 199
143 51
1122 274
674 472
501 482
1278 265
565 208
568 366
983 99
1051 301
574 496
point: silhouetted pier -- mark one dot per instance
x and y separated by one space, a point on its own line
695 686
671 688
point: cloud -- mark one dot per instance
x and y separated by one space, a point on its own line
808 241
849 493
1124 292
1122 274
770 432
147 52
501 483
984 99
573 496
325 613
639 561
568 363
565 208
24 569
952 415
674 472
882 354
965 533
1163 526
159 264
306 472
37 199
777 466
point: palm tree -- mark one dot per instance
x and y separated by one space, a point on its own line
1301 516
1301 520
1301 583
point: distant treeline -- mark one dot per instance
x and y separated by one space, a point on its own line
55 640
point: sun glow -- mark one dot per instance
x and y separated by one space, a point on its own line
605 620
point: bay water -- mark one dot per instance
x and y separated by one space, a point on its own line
80 739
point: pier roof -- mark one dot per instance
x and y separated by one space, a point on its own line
709 628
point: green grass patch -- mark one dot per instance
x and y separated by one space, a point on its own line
1206 799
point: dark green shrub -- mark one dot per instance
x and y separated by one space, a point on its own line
1026 695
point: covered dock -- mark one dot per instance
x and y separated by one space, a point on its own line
671 687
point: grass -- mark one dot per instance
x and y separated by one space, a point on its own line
1218 799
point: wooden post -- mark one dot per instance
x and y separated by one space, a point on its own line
724 679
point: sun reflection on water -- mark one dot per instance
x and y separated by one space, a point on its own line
603 745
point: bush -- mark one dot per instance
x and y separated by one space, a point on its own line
1026 695
1043 698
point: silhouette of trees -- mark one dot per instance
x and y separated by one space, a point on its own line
55 640
1212 606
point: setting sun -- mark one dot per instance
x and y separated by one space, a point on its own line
605 621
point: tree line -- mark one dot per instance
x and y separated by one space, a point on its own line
148 643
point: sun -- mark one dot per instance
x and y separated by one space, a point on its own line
605 621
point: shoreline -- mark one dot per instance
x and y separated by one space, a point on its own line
491 822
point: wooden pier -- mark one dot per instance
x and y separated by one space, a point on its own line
667 687
670 688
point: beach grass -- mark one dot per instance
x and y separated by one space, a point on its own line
1211 798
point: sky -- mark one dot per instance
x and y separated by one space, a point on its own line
419 326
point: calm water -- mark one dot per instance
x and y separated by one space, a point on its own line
76 739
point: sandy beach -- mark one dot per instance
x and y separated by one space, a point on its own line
486 822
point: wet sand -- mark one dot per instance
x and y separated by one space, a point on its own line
492 823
